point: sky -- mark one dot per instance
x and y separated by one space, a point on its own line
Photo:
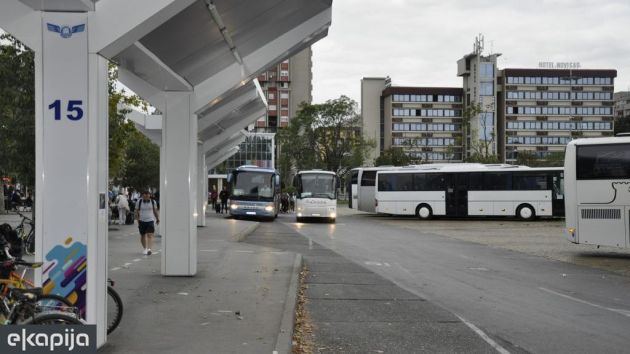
418 42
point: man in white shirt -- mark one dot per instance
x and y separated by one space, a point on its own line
147 215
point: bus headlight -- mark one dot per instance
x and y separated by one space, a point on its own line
269 208
300 208
333 215
233 206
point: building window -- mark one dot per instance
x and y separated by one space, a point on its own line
284 73
486 70
284 95
486 126
271 96
486 89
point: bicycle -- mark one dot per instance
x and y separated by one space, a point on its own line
21 306
28 239
52 301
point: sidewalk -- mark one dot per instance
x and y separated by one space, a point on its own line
235 303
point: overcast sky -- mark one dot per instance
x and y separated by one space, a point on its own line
418 42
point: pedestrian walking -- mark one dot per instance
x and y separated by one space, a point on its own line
123 208
224 196
148 215
214 196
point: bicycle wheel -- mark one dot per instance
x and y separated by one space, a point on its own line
54 318
53 302
29 242
114 309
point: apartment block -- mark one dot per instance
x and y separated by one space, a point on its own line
286 86
426 122
499 112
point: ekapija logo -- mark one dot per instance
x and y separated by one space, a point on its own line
65 31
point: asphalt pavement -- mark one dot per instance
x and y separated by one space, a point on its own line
522 302
354 310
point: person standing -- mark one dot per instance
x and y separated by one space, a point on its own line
148 215
123 208
213 196
224 196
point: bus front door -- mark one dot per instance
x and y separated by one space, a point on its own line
456 188
557 197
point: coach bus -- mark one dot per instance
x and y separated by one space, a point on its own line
254 192
316 195
597 184
463 190
363 187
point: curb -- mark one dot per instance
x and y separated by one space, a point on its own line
284 342
240 236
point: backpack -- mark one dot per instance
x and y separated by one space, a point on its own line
141 201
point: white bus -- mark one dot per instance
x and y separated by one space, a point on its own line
463 190
362 184
316 194
597 183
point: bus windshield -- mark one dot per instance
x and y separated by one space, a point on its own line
252 185
315 185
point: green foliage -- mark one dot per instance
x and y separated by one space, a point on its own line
480 150
527 158
141 163
17 110
622 125
394 157
120 130
325 136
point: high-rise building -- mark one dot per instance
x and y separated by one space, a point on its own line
424 121
286 86
622 104
495 113
545 108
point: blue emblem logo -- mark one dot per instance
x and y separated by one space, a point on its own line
66 31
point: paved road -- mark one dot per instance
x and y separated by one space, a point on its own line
526 303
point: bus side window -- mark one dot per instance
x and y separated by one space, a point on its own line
475 182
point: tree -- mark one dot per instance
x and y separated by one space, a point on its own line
622 125
120 129
141 163
480 149
528 158
393 156
17 110
325 136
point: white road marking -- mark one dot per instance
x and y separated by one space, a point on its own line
619 311
386 264
137 260
243 251
208 250
183 293
483 336
127 264
373 263
224 311
479 268
115 268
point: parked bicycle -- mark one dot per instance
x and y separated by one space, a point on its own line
28 238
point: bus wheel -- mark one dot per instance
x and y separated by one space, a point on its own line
424 212
525 212
332 220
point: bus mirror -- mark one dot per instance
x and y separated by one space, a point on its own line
229 178
277 180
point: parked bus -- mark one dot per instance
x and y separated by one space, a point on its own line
351 188
597 183
363 187
254 192
316 194
463 190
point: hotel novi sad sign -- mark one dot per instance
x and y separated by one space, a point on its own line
559 65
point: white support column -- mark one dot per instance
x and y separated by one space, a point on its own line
178 193
71 152
202 186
